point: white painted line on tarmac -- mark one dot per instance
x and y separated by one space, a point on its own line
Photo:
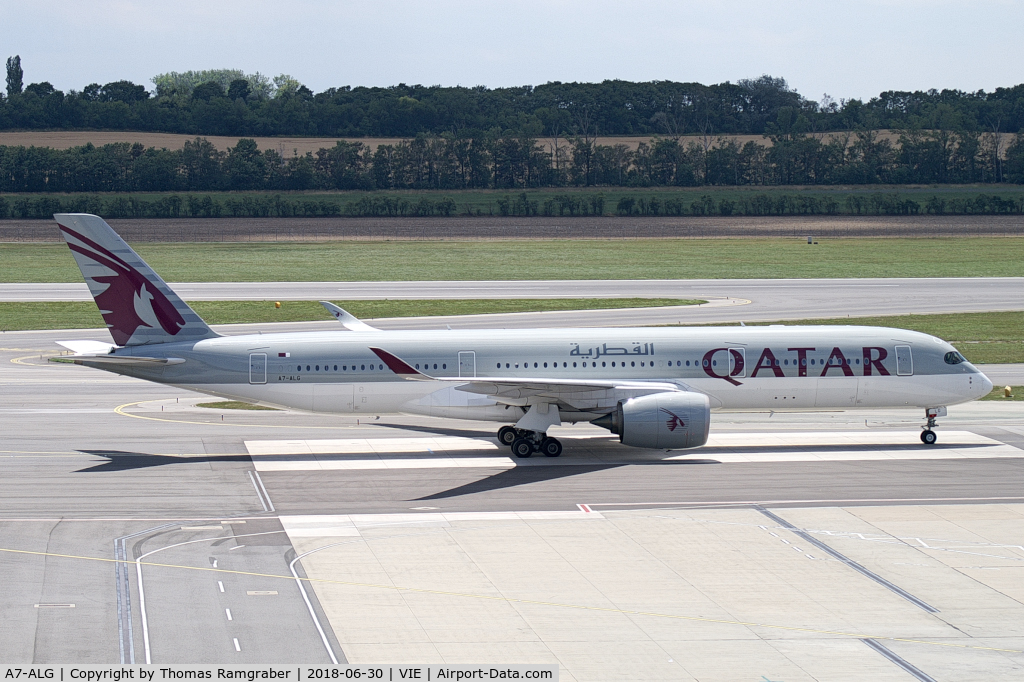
727 448
228 613
237 647
220 584
350 525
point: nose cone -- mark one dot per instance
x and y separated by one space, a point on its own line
984 385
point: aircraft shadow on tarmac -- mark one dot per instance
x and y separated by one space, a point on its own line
524 475
434 431
119 460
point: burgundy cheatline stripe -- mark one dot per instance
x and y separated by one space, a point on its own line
395 364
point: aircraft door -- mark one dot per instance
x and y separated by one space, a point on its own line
467 363
257 368
737 362
904 361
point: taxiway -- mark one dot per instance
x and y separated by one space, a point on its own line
134 523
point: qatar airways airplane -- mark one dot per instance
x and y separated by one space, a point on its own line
653 387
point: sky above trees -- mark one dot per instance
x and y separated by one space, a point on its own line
848 50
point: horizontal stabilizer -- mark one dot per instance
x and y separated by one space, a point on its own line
87 347
118 360
347 319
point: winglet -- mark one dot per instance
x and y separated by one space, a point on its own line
399 366
347 319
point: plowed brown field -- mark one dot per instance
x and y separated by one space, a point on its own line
63 139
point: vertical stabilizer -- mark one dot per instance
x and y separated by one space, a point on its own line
138 307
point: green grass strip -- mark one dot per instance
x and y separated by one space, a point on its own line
85 315
981 337
997 394
543 259
234 405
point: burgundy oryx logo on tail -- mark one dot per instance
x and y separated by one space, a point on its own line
130 301
674 421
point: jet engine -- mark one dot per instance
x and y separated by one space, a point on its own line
671 421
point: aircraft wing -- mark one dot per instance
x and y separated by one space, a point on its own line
523 391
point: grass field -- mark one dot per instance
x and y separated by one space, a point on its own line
1017 393
542 259
234 405
981 337
85 315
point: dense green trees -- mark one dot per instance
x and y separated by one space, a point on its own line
520 162
230 102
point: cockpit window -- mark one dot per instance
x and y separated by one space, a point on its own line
954 358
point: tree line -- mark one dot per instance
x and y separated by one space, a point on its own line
230 102
449 162
264 205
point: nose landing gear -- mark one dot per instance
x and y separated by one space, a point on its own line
928 436
525 443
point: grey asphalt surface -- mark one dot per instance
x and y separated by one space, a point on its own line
731 300
75 475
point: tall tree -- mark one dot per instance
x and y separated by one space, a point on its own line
15 75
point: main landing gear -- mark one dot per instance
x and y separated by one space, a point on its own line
928 436
525 443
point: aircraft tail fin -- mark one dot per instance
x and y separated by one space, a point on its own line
138 307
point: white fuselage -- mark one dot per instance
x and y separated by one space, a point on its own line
738 368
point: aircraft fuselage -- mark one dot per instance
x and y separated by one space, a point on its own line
779 368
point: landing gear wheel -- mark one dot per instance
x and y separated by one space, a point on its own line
551 447
506 435
928 437
522 448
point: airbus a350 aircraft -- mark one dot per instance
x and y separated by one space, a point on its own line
653 387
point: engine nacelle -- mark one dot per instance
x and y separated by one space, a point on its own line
671 421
